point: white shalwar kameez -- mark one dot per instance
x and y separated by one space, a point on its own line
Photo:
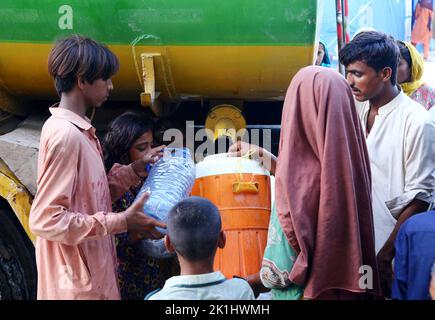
401 146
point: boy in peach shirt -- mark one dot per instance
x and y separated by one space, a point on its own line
71 213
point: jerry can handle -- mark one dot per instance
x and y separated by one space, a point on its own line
248 187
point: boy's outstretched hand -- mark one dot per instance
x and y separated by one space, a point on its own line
139 225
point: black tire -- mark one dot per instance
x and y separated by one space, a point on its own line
17 259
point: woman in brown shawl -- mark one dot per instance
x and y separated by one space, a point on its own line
323 188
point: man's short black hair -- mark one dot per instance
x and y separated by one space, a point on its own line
376 49
194 225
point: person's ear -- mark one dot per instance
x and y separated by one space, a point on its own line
81 83
168 244
386 74
222 239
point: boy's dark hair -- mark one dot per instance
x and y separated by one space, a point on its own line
376 49
194 225
404 53
80 57
122 132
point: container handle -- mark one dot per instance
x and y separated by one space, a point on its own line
247 187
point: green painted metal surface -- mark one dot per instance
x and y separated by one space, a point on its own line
161 22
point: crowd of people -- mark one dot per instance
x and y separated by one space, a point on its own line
355 184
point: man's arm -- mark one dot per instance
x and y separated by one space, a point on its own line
266 158
419 178
416 206
387 253
418 191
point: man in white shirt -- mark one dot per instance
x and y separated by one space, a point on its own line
400 138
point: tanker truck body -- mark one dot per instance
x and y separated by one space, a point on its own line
176 56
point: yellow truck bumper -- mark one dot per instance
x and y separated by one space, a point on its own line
17 196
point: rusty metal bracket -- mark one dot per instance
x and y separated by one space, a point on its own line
149 96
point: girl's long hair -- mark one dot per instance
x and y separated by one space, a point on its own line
123 131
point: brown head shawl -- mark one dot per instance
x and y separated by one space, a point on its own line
323 186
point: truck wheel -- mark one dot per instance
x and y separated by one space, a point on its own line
17 260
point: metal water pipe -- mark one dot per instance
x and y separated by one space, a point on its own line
342 14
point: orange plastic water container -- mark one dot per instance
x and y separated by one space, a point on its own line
240 188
